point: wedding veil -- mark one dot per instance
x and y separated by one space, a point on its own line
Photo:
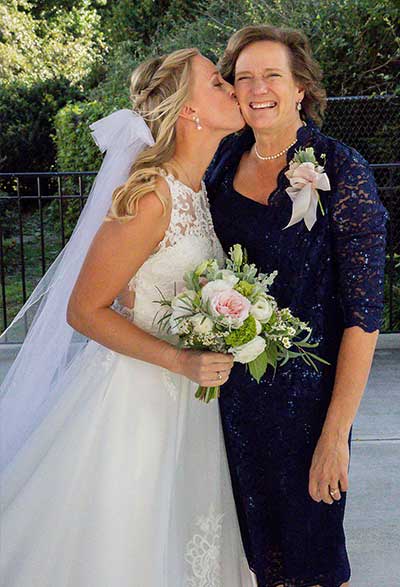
33 383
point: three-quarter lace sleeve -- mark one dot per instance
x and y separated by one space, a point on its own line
359 234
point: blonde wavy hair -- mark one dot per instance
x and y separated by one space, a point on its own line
159 89
305 69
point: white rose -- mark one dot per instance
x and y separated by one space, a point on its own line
262 309
246 353
202 324
213 287
229 276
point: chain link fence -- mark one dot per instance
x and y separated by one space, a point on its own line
39 210
369 124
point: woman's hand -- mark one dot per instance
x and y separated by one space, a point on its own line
203 367
329 469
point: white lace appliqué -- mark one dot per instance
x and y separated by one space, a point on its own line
204 550
189 239
190 215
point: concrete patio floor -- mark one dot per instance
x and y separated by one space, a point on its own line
373 511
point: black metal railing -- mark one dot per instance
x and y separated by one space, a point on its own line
39 212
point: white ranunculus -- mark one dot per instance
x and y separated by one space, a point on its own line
262 309
202 324
246 353
213 287
258 326
229 276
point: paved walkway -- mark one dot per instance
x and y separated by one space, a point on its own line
373 512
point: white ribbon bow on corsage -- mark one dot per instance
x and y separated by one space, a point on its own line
305 179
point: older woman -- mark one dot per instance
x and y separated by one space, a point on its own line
288 437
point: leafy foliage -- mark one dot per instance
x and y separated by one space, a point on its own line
73 120
26 119
91 47
48 56
62 43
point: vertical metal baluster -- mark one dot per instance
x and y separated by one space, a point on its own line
80 192
42 243
60 199
21 241
3 281
21 251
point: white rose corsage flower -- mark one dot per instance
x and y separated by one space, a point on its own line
306 176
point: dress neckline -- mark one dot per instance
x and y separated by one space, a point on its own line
302 135
187 187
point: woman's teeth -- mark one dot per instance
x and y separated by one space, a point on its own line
261 105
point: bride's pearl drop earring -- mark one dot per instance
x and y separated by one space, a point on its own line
197 121
298 106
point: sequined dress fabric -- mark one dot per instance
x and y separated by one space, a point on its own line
331 277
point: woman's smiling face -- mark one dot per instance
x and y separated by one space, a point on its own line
265 87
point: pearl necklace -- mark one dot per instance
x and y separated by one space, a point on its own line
272 157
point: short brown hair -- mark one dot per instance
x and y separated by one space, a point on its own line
305 69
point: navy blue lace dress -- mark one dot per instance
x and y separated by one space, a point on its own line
332 277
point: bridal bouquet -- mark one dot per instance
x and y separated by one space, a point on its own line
229 310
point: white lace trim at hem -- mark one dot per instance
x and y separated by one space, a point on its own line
203 552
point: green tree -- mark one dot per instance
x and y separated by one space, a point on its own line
65 43
48 56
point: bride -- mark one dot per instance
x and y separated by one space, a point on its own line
113 474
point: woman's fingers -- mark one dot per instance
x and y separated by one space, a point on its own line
344 481
313 489
328 492
328 471
212 359
334 490
215 369
215 378
205 368
324 492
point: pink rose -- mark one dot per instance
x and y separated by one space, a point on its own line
230 303
303 174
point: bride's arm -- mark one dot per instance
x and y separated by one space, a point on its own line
116 253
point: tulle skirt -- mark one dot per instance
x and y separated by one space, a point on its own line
124 484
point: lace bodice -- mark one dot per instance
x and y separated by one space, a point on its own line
189 239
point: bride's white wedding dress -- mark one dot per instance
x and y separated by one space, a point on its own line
125 483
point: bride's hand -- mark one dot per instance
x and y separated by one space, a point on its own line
203 367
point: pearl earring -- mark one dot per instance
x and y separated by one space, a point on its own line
197 121
298 106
